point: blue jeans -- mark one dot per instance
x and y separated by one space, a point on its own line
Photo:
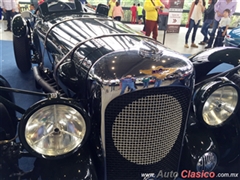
212 34
219 38
9 15
193 26
204 29
145 84
126 84
157 83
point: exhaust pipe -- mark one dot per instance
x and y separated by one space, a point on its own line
44 84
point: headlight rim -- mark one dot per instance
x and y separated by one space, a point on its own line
202 95
46 102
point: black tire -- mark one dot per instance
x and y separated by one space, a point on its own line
8 119
22 53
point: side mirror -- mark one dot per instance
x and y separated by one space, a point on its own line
102 9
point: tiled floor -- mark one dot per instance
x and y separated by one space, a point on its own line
174 41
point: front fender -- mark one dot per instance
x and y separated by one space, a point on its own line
77 166
207 60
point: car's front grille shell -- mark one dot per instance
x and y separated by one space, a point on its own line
144 132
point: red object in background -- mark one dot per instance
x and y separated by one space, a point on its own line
40 2
167 7
166 3
134 14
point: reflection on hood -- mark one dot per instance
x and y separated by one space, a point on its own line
159 72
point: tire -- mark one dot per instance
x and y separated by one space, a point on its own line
22 53
8 119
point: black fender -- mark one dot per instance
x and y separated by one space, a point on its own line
198 140
21 43
8 119
206 60
228 138
78 166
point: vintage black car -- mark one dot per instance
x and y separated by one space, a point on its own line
95 122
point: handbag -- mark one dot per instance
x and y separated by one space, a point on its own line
158 17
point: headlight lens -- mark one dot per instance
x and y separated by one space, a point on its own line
207 162
220 105
55 130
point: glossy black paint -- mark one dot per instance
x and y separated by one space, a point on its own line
206 60
82 58
226 137
78 166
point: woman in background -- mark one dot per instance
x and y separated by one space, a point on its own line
209 14
117 12
195 16
111 4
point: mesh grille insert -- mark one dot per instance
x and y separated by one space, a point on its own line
144 131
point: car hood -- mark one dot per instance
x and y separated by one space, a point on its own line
66 32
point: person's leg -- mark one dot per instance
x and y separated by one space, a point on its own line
208 23
204 30
8 17
212 34
149 27
131 85
220 37
124 86
0 13
195 28
134 18
191 24
155 30
144 28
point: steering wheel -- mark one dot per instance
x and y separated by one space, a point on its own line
58 6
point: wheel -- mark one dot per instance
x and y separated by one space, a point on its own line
22 53
8 120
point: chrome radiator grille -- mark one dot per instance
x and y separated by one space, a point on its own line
144 132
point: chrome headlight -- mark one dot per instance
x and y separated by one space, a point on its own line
53 128
217 101
207 162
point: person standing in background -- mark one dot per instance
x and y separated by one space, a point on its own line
208 20
32 8
144 16
134 13
117 12
139 13
222 29
194 18
9 7
151 8
111 4
18 8
0 12
219 8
